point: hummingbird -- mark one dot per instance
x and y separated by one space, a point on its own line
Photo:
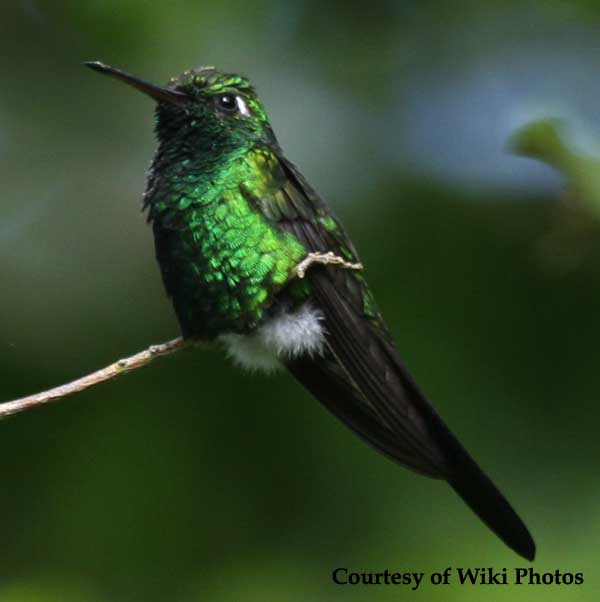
253 258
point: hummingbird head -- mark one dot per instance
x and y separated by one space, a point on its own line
204 107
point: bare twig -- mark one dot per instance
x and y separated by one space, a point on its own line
139 360
143 358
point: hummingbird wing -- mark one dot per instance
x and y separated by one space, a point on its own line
361 378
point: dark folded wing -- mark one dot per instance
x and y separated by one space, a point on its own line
361 378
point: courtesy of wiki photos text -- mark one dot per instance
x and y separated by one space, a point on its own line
467 576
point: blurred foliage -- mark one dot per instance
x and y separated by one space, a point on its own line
192 481
575 223
544 140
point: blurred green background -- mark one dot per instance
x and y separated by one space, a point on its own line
190 480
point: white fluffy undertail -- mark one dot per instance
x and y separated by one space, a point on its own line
285 336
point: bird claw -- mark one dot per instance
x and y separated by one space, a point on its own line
324 259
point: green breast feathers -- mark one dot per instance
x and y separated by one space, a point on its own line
222 258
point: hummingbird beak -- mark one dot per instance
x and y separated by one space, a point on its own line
156 92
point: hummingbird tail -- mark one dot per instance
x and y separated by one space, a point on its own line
476 489
486 501
470 482
458 468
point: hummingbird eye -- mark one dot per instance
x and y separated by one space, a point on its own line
232 104
226 103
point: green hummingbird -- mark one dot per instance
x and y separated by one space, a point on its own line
254 259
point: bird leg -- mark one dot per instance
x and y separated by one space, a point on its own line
324 259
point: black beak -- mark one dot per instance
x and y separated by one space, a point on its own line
159 94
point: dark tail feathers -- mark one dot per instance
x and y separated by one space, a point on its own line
482 496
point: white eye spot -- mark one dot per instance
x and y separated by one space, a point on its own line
242 106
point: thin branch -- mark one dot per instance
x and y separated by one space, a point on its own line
143 358
139 360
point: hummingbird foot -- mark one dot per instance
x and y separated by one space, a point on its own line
324 259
